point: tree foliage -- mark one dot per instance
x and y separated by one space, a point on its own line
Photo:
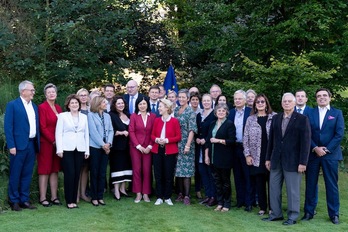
272 46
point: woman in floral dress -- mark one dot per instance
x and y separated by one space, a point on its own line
185 167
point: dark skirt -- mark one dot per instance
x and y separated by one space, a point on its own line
120 166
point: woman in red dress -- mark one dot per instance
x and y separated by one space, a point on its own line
48 164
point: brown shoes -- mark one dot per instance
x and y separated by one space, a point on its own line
16 207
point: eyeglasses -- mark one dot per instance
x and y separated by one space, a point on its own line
83 95
31 90
260 102
131 87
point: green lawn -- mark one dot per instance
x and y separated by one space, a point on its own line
125 215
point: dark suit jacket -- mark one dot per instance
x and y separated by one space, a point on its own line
291 149
223 154
232 115
120 142
202 131
126 98
330 135
17 126
138 133
156 111
306 110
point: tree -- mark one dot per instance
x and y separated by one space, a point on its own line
272 46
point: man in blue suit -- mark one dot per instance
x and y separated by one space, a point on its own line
327 127
239 115
22 138
153 99
301 102
132 95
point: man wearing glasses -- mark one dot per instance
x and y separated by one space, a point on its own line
22 138
132 95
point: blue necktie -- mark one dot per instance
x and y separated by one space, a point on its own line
131 110
153 110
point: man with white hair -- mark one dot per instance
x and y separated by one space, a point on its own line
132 95
22 138
286 159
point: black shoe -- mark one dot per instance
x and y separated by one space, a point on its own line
101 202
211 202
306 217
27 205
117 199
16 207
335 220
248 208
94 204
289 222
204 201
271 219
124 194
45 203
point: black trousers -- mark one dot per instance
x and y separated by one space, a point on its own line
71 163
164 166
261 181
98 164
222 177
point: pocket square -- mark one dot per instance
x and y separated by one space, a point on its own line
330 117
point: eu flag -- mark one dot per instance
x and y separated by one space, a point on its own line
170 81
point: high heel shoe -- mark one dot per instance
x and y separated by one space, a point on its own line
101 202
124 194
117 199
95 204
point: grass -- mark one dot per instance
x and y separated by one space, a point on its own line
125 215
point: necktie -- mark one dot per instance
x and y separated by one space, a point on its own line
153 110
131 110
299 110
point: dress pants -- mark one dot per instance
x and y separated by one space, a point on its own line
241 177
330 173
260 181
141 164
293 184
208 180
71 163
222 177
21 171
98 165
164 166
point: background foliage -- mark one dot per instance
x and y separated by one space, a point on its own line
270 46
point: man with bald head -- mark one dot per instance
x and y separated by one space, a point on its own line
132 95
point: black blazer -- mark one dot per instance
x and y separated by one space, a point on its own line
202 131
126 98
119 142
292 149
223 154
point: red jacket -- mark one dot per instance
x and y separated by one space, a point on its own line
173 134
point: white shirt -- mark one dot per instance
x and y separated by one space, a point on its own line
31 117
322 113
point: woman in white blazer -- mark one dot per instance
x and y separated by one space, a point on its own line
101 135
72 141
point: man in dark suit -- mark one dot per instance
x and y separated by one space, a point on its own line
132 95
327 127
239 115
286 158
153 98
301 102
109 93
22 138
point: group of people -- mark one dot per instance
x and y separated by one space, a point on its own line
183 135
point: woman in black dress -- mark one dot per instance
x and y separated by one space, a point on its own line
120 162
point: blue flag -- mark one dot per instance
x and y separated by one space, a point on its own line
170 81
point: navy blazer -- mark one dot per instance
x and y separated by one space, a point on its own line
17 126
223 153
306 110
330 135
156 111
291 149
232 115
126 98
